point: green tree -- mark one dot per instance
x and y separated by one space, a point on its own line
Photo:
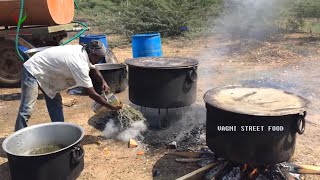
169 17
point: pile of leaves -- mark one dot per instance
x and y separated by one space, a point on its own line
127 116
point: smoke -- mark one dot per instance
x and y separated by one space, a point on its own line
191 123
250 18
110 130
186 126
134 131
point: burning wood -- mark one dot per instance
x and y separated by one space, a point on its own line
217 168
244 168
224 173
196 172
225 170
301 169
254 174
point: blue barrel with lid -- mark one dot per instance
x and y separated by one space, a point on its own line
146 45
85 39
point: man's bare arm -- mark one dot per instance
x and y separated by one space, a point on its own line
96 74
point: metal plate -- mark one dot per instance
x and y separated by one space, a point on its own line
162 62
255 101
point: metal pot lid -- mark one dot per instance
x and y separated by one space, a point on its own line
162 62
107 66
256 101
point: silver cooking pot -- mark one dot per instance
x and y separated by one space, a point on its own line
65 163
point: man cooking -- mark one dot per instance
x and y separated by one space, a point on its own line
56 69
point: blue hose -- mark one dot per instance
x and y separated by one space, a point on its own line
18 29
76 4
77 35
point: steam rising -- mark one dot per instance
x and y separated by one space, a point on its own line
111 130
134 131
241 19
250 18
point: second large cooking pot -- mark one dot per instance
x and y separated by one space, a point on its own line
50 151
255 126
115 75
160 82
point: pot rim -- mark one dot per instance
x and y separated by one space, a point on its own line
164 68
288 112
130 63
106 66
5 142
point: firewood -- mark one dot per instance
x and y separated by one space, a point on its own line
216 171
303 169
189 160
198 171
186 154
289 176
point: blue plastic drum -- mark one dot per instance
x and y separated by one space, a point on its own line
89 37
146 45
85 39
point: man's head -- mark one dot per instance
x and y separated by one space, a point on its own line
96 51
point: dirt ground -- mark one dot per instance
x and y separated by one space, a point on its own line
290 62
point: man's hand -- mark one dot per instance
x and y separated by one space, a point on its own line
105 87
118 107
99 99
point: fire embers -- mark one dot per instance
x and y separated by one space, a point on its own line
233 171
214 168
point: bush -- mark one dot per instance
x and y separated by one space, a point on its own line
300 12
169 17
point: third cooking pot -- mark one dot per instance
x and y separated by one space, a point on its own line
253 125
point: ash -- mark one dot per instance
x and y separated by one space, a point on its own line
196 137
185 139
186 127
234 174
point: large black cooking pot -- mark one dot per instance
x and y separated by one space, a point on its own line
115 75
257 126
64 164
160 82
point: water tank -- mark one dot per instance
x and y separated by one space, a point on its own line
38 12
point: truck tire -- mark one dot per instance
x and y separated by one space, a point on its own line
10 63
